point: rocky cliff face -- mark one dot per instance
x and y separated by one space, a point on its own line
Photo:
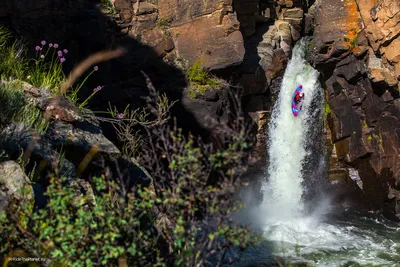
356 47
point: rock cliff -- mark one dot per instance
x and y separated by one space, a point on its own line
355 47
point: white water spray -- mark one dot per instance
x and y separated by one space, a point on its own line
291 233
282 191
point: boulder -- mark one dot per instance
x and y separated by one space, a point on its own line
141 8
14 185
159 40
216 43
58 108
84 136
392 51
284 32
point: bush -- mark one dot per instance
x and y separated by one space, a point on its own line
200 80
182 218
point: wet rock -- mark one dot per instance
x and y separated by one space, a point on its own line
388 127
14 185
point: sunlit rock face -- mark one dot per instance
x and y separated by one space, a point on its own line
356 47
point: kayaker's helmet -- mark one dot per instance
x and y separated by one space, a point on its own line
301 94
301 86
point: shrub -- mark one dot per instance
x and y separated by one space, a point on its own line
108 6
200 80
183 218
192 183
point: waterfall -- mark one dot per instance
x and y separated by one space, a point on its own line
293 234
289 138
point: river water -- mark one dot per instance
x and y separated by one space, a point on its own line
296 235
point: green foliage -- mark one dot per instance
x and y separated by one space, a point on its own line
14 108
108 6
181 219
40 72
45 72
162 23
74 232
352 41
200 80
327 109
310 46
12 63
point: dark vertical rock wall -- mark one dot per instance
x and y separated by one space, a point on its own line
354 47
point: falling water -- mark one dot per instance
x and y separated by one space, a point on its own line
287 144
294 235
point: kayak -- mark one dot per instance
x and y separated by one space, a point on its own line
296 108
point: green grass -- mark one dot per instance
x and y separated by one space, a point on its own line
12 63
200 80
44 71
14 108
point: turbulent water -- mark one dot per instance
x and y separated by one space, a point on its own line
295 235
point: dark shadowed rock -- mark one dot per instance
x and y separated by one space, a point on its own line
18 137
14 185
82 135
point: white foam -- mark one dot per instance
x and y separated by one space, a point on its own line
283 190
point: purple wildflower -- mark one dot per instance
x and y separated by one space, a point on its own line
55 45
50 45
121 115
43 42
98 88
96 68
62 60
59 53
65 51
37 48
